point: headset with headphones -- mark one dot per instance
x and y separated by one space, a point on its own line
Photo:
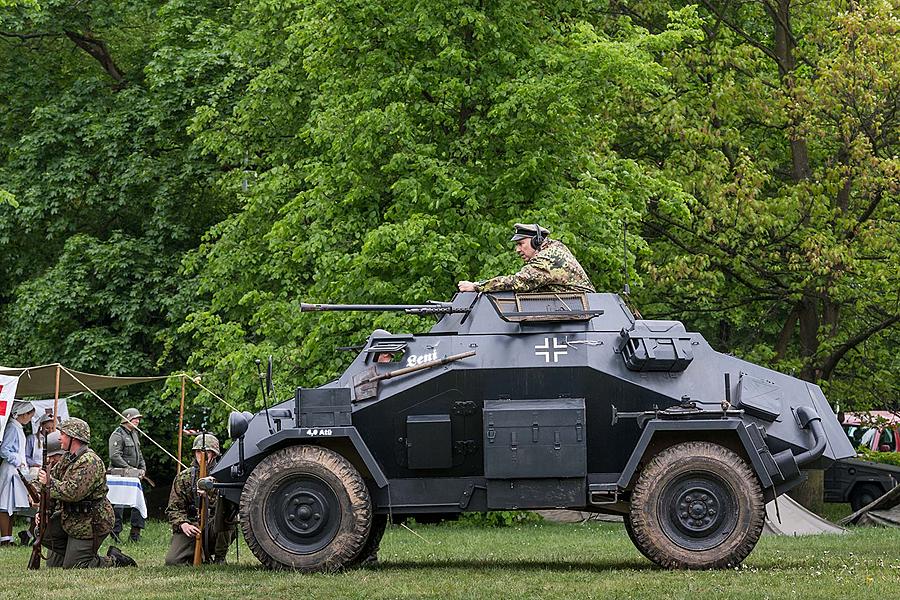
538 239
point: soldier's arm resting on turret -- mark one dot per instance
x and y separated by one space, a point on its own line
537 273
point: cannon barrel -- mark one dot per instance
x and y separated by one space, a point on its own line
432 308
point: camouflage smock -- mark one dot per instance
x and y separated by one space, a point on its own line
184 506
78 478
552 269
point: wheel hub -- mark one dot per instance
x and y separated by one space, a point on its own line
303 514
698 511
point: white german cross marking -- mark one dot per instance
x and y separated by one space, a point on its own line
546 350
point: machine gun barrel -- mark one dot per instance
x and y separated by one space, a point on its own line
433 308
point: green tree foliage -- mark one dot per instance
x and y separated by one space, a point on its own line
111 194
387 147
783 127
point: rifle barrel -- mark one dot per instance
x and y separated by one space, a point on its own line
198 544
433 363
34 562
304 307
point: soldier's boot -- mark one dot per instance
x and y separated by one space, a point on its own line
119 558
135 535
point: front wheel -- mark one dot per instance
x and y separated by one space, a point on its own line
306 508
696 505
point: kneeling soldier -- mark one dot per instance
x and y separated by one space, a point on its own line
81 516
184 512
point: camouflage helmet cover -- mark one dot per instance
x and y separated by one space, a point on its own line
77 429
131 413
211 441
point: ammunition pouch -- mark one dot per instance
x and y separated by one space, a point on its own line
83 507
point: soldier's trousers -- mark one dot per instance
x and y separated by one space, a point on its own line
137 521
181 549
69 552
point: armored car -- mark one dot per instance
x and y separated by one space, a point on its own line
528 401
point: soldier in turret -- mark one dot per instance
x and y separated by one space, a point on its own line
125 453
549 267
184 509
81 516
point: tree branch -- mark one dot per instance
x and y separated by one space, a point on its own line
97 49
829 365
26 36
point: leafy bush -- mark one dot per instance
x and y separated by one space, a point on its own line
888 458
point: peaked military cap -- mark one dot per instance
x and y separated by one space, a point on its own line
527 230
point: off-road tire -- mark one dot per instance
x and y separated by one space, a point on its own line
305 508
697 505
863 495
369 553
626 519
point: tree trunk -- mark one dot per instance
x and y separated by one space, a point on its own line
811 493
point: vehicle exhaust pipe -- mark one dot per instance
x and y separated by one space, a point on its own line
810 420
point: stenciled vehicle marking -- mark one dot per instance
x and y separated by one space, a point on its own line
318 432
556 350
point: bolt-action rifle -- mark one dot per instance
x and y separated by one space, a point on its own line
34 562
204 508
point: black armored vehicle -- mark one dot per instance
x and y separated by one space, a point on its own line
528 401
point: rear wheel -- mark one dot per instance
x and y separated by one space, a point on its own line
696 505
863 495
306 508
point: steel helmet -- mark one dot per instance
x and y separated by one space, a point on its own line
76 428
211 443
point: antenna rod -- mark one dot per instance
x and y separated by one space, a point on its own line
262 385
627 289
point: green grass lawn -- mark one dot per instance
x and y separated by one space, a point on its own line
594 560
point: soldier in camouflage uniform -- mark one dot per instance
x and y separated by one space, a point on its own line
81 516
183 512
549 267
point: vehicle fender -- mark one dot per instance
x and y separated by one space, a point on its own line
329 437
754 447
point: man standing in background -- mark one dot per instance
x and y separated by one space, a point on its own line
125 453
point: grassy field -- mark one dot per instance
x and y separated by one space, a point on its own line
593 560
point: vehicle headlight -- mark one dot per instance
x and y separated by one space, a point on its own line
238 423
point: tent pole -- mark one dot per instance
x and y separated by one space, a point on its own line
180 423
56 400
